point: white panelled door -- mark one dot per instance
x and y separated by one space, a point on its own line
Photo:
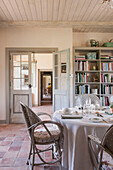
20 85
61 80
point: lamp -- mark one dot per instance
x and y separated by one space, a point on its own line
109 2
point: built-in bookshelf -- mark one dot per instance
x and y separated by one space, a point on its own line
93 72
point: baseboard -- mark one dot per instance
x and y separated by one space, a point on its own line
2 121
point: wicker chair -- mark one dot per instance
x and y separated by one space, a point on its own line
80 99
42 134
104 146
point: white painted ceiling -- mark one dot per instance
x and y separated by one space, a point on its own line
81 15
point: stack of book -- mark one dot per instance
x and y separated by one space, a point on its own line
111 57
80 57
106 57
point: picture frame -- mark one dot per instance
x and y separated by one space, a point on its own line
63 67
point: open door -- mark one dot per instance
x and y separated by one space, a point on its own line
61 80
20 84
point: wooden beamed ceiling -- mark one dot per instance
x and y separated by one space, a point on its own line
80 15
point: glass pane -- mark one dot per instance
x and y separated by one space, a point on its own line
24 58
25 66
16 72
63 83
25 72
25 83
56 84
56 59
16 60
63 56
16 84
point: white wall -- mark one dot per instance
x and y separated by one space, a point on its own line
44 61
60 38
83 39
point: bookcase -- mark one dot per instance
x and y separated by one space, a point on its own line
93 72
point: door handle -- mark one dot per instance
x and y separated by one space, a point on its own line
29 85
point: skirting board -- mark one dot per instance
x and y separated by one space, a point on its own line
2 121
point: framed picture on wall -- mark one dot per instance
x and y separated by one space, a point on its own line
63 67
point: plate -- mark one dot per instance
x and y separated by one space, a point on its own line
96 120
71 116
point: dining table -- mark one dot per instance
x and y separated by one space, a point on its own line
77 126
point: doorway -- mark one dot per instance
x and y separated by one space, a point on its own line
46 88
13 116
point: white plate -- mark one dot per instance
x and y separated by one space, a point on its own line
96 120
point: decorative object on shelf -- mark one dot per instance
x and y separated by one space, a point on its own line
108 44
108 2
94 67
91 55
94 43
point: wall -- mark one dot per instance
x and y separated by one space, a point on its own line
60 38
44 61
83 39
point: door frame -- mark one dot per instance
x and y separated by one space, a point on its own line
8 52
47 73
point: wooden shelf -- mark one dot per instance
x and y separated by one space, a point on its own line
82 75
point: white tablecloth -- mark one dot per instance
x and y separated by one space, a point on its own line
76 151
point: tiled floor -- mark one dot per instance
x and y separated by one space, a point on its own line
14 146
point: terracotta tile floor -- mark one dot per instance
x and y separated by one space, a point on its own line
14 145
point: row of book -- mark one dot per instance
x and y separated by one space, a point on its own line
104 101
107 66
82 89
82 66
81 77
106 57
107 78
106 89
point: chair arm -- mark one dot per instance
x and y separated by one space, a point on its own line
42 113
94 139
45 122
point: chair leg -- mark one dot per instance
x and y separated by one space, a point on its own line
100 161
29 155
53 152
33 158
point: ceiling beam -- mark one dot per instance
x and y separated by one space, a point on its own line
68 24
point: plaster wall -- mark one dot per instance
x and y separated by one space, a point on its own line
28 37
